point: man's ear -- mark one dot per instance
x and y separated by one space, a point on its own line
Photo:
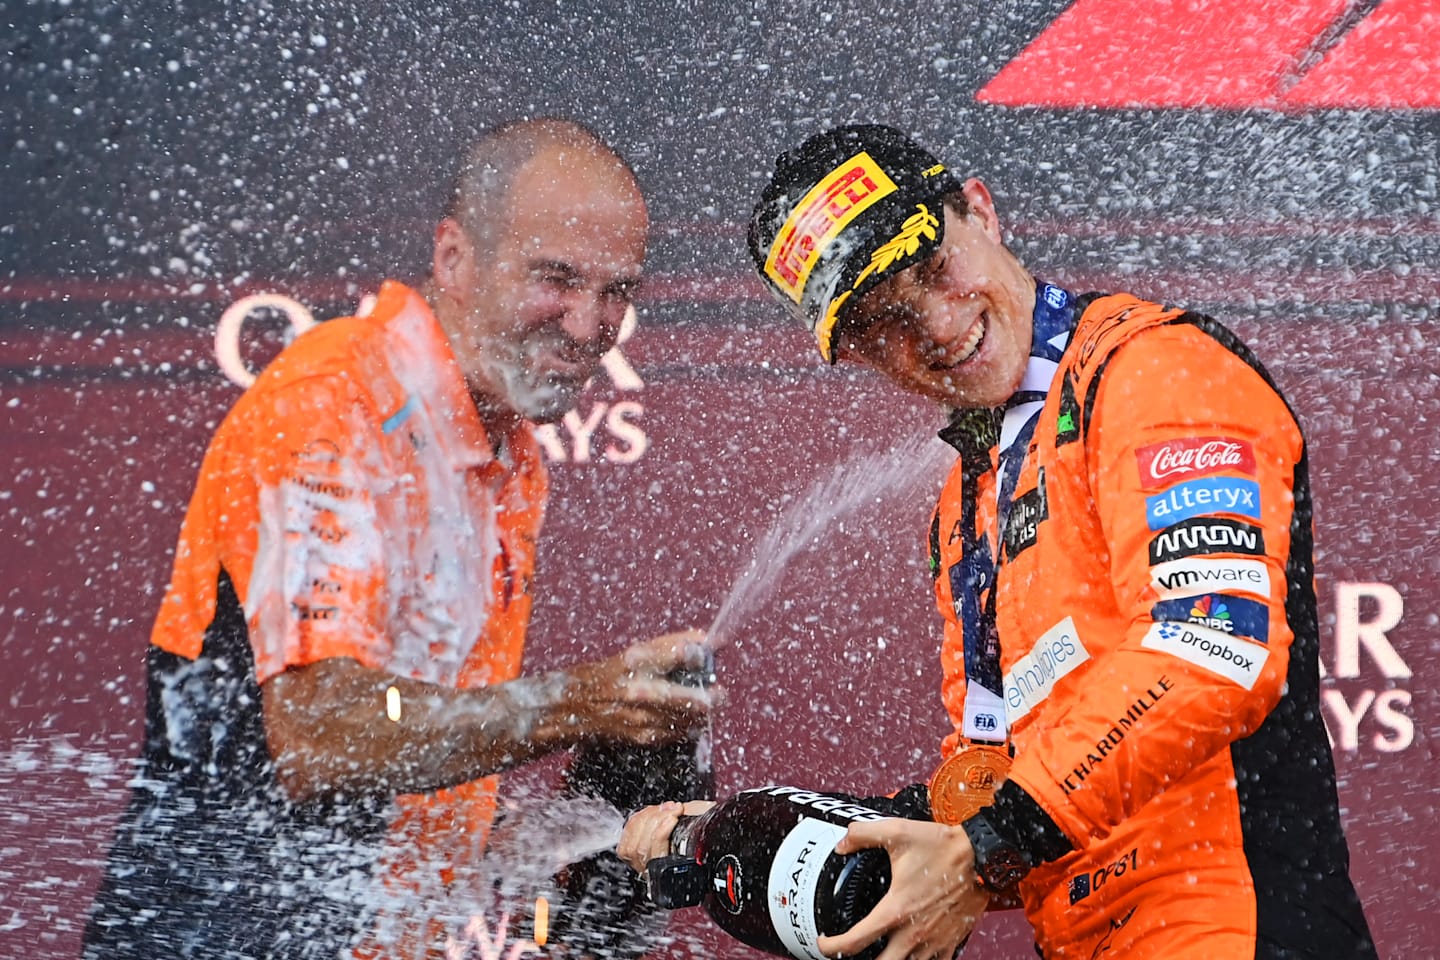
982 208
453 259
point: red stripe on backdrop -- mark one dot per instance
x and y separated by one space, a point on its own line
1390 61
1163 53
663 351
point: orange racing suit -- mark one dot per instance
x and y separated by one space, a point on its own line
350 505
1158 651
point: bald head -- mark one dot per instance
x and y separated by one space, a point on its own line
535 264
482 187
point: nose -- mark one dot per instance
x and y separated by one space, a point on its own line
947 312
592 320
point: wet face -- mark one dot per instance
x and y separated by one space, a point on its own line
534 315
955 328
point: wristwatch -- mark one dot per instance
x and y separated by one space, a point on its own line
999 864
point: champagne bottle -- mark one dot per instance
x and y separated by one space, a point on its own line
764 865
601 908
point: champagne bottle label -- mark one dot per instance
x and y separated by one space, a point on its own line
794 877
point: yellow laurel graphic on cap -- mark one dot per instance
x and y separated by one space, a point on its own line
903 244
826 327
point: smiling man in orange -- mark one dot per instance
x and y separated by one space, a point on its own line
334 676
1122 558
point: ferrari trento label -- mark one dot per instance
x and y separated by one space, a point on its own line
794 875
845 193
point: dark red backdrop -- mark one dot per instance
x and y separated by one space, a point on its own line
832 681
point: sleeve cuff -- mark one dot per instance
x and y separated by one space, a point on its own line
1016 816
911 802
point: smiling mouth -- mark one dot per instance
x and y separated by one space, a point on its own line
564 361
968 347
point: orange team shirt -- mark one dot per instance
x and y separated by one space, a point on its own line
358 506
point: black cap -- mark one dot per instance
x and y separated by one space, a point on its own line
843 211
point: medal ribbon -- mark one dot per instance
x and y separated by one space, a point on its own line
1054 320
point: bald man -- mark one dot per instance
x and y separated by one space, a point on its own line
334 674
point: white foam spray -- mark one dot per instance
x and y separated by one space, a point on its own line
901 472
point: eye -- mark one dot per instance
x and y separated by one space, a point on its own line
560 277
895 316
868 333
933 267
622 291
560 281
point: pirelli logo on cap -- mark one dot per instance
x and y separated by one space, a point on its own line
841 195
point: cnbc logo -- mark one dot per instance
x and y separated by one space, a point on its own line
1229 54
1210 612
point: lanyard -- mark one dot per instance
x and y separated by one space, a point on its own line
1011 428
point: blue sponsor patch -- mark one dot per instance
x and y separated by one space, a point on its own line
1206 495
1218 611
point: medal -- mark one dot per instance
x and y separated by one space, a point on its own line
966 781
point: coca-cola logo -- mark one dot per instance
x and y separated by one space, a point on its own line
1162 464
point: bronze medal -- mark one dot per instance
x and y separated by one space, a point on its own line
966 781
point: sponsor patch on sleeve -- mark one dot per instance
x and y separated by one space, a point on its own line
1187 577
1208 495
1233 658
1218 611
1033 676
1186 458
1206 535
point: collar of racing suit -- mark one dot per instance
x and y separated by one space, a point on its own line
974 432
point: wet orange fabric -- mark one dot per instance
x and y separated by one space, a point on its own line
355 500
1121 714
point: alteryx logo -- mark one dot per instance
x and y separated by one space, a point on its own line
1208 495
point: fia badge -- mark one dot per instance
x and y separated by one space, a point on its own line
966 781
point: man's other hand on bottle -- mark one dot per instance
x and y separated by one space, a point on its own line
633 696
934 899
